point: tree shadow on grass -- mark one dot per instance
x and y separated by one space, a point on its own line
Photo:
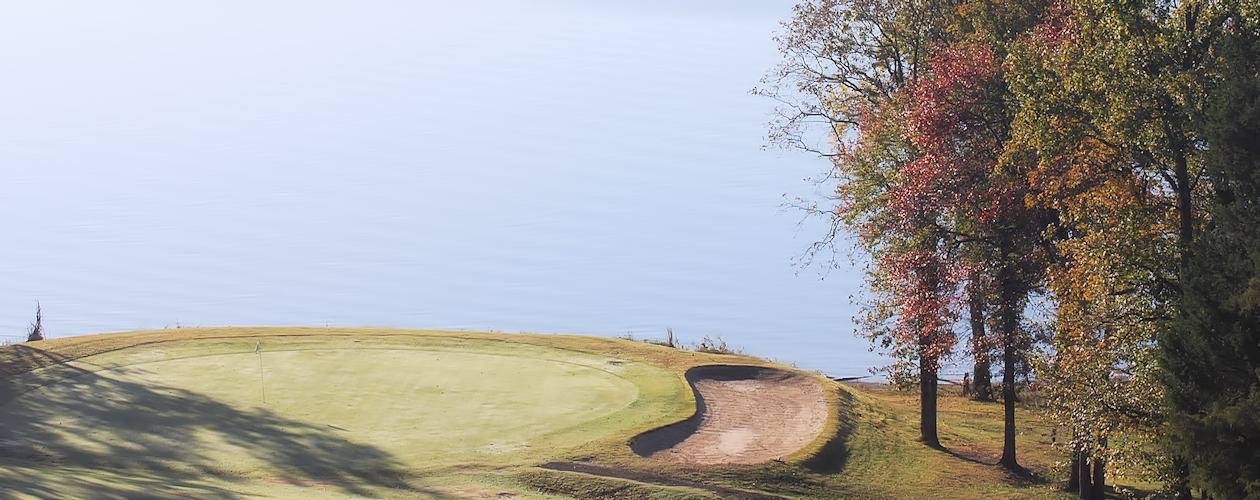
1016 477
162 436
18 358
969 456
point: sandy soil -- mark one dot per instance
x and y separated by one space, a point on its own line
744 415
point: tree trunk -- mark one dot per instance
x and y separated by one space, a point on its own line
1185 237
927 405
1099 483
1008 325
981 380
1074 473
1008 315
1084 479
1181 479
1008 406
1185 210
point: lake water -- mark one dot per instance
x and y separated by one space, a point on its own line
577 167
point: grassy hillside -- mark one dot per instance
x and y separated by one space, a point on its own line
405 413
364 412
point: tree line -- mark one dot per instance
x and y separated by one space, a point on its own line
1064 188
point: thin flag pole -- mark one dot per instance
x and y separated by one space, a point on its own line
262 383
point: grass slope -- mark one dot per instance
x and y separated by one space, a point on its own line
366 412
405 413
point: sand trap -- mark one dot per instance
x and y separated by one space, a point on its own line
744 415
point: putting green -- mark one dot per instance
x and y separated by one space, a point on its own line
344 410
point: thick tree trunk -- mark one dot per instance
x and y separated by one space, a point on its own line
1084 479
981 379
1008 323
1099 483
1074 471
927 405
1008 407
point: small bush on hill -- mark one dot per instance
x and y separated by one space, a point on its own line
36 330
716 345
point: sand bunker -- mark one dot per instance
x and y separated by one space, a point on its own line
744 415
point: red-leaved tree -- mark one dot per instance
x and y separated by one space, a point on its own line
959 120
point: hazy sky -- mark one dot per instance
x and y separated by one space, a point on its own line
588 167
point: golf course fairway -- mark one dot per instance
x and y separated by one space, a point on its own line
388 413
300 412
414 405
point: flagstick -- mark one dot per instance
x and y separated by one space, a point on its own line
262 383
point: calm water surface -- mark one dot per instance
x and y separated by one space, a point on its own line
518 166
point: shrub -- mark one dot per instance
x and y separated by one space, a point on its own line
36 330
716 345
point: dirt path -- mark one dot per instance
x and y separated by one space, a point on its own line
744 415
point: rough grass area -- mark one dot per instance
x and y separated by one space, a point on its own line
579 485
409 413
873 452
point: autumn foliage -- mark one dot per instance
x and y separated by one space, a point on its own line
992 154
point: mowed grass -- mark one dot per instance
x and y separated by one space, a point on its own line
410 413
495 404
347 412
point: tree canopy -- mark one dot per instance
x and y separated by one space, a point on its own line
1097 155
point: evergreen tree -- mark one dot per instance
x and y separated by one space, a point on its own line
1211 353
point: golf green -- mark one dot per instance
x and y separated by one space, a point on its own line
337 408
